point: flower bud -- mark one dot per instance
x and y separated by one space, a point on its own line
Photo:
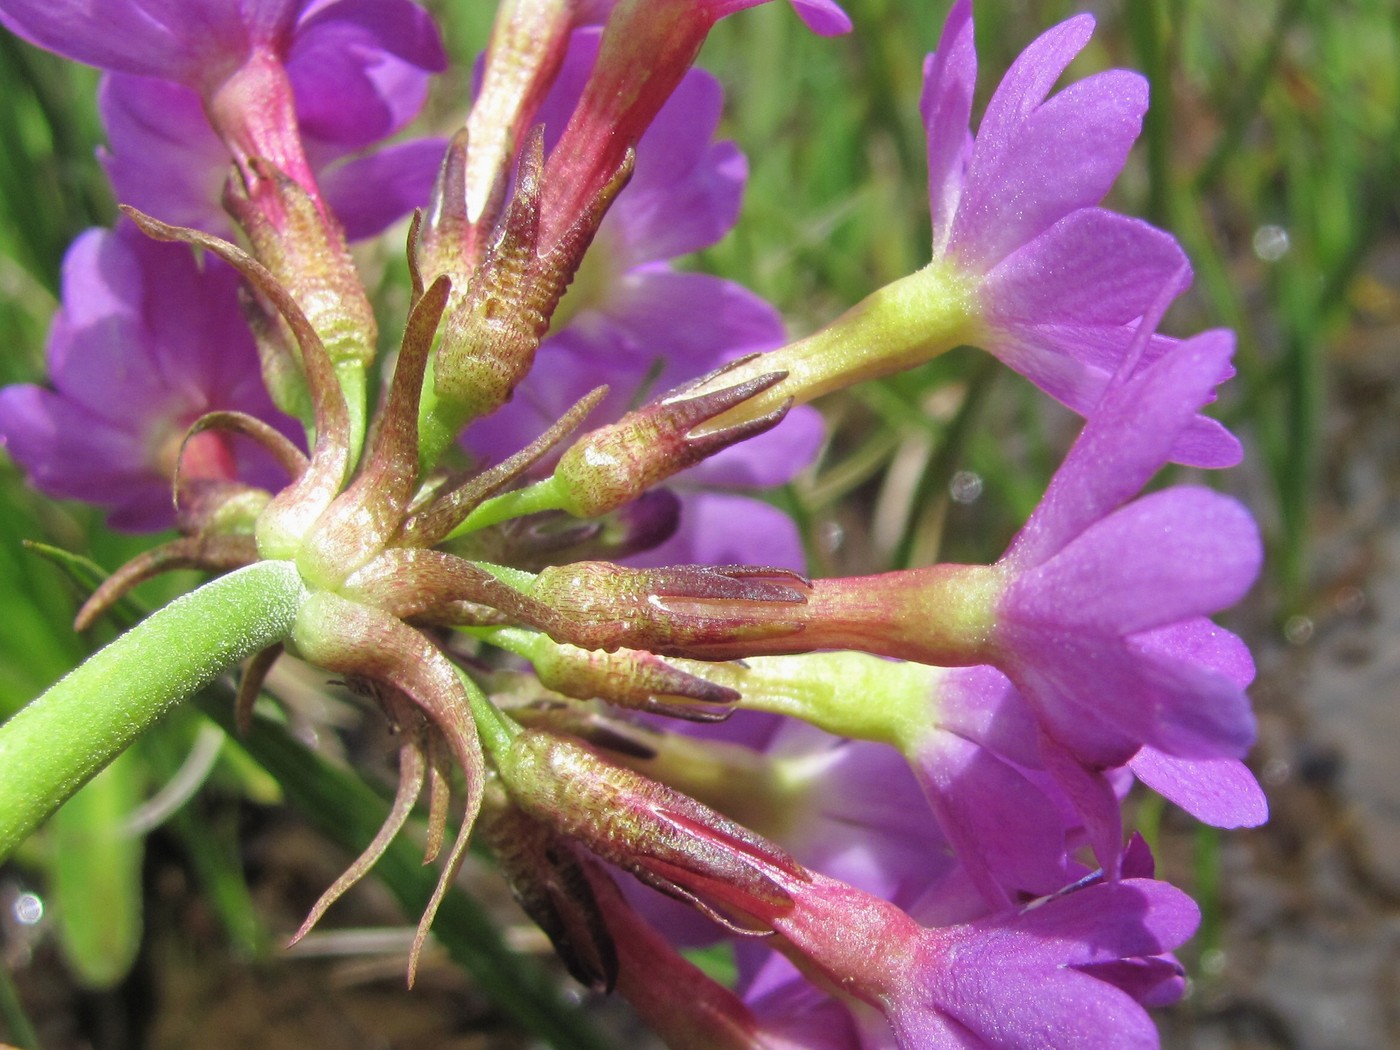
625 678
599 605
306 251
664 838
615 464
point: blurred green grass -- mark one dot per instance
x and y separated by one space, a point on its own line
1272 150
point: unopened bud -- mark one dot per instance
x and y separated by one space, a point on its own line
599 605
664 838
613 465
624 678
306 252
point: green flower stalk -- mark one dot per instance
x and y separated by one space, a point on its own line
60 740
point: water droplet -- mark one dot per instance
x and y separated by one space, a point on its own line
28 909
1298 630
832 536
1276 771
1271 243
965 487
1350 601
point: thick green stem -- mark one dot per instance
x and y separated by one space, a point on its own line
59 741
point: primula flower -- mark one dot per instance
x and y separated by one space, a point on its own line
1092 580
1097 611
969 738
342 74
1102 621
1041 978
132 366
166 160
632 321
1025 263
1061 281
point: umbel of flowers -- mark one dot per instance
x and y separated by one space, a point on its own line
911 824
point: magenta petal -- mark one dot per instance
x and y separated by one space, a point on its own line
692 322
1132 698
823 16
1205 443
980 704
1023 178
1107 922
685 192
90 345
1024 87
663 222
368 194
172 39
359 68
164 158
1048 671
1125 442
1199 641
1221 792
1169 556
1093 797
1066 1010
1092 267
1153 982
68 452
1013 985
1003 828
950 77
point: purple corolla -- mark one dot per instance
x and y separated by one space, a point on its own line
194 85
132 366
1042 978
1060 281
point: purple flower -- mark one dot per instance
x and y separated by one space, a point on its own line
632 321
1097 613
1102 623
976 758
357 65
165 159
298 82
1091 579
1024 980
146 342
1061 281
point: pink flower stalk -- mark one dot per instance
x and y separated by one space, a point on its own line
132 367
646 49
